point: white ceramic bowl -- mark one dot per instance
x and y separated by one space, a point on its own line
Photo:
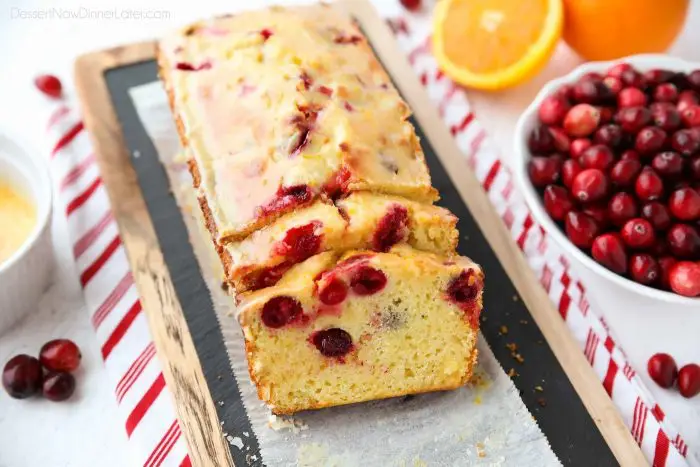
527 122
25 275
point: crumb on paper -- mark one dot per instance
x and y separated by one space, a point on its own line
234 440
477 400
503 330
513 347
277 423
480 379
512 373
539 388
480 450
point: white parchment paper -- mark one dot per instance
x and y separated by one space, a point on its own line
483 424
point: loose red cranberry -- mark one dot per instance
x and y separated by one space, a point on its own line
544 170
553 109
689 380
590 185
625 172
564 91
685 142
657 76
687 99
633 78
657 214
578 146
668 164
49 85
684 278
691 116
300 242
333 342
685 204
22 376
608 250
591 91
569 169
666 117
614 84
557 202
60 355
618 69
581 120
621 208
280 311
599 213
581 229
633 119
644 269
609 135
463 289
58 386
412 5
666 92
629 155
562 143
695 168
391 229
662 369
649 185
333 292
540 140
638 233
367 281
684 241
591 75
631 97
694 80
606 114
650 140
597 156
666 263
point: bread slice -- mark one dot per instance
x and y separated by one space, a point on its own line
361 326
362 220
282 106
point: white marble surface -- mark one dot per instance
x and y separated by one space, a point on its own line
87 431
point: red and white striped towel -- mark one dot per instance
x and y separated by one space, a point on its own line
122 330
116 315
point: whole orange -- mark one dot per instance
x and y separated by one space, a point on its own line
610 29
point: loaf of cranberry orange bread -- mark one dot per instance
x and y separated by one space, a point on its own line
361 220
281 107
338 329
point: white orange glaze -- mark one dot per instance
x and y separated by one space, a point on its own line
288 97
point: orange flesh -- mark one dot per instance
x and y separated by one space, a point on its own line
490 35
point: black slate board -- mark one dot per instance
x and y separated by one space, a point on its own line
558 410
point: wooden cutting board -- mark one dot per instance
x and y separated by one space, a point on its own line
182 320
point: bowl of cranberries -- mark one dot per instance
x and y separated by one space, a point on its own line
609 162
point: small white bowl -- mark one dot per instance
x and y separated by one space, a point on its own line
527 122
25 274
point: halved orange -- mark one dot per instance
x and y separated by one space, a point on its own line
494 44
